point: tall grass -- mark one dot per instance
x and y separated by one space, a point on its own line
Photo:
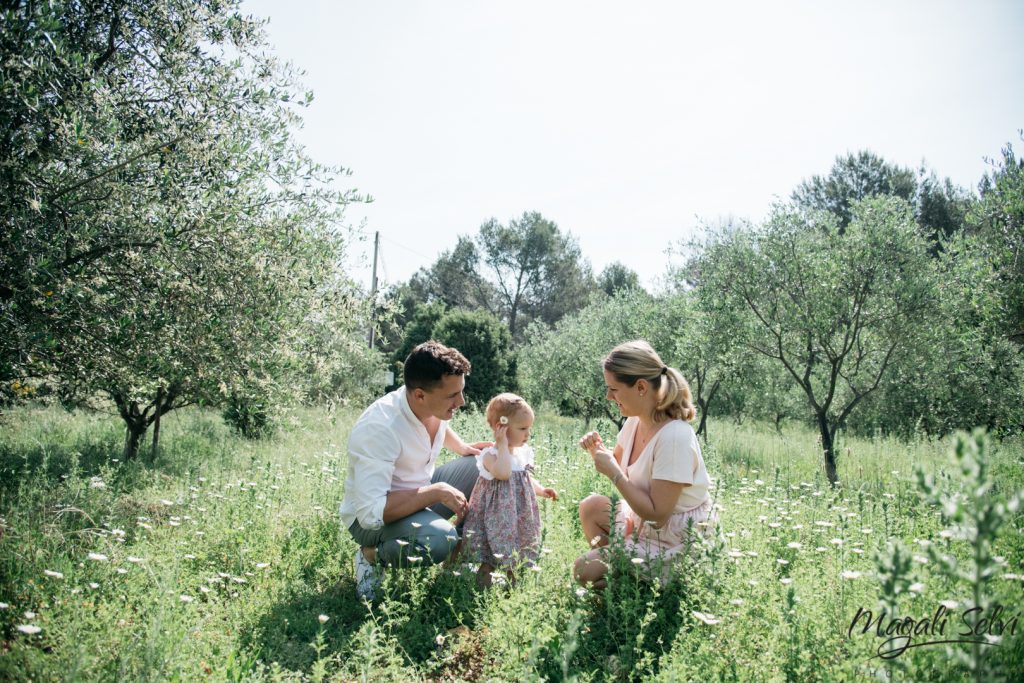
223 560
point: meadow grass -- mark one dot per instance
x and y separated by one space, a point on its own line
223 560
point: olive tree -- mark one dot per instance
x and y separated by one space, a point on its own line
832 305
163 235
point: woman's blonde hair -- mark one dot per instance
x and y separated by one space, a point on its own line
505 405
636 360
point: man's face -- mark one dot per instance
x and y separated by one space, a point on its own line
443 400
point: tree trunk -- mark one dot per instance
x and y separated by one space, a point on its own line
156 425
133 433
828 446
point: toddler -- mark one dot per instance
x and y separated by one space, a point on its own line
503 521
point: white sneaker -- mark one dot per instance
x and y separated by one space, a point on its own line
367 578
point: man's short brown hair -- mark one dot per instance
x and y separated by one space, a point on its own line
428 363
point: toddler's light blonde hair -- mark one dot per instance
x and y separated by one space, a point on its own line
505 405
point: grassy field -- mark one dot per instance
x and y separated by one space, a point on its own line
223 560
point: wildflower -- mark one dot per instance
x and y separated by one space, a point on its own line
836 541
135 560
917 587
920 559
706 618
851 575
93 585
29 629
856 551
758 482
752 582
122 570
534 568
30 615
637 560
189 556
439 640
736 554
503 420
401 542
581 592
186 598
418 558
794 545
949 604
736 601
416 525
786 581
4 605
774 525
323 618
166 502
865 530
97 557
53 575
262 565
782 561
824 524
821 549
499 556
752 553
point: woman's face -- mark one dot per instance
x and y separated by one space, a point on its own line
626 397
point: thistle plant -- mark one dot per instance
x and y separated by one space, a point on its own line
974 515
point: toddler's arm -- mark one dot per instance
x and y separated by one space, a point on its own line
543 491
499 461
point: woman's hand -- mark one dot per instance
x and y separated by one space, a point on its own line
475 448
604 461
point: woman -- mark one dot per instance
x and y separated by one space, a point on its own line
656 466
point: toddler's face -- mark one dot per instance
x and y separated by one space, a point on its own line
519 428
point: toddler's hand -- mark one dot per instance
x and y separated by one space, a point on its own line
549 492
501 436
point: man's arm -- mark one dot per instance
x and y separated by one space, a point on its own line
403 503
455 444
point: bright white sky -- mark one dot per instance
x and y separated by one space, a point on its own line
629 124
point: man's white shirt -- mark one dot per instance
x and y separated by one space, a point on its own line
389 449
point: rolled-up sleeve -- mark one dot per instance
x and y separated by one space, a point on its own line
372 452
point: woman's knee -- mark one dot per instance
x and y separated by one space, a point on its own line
597 508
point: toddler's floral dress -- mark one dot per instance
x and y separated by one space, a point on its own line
503 521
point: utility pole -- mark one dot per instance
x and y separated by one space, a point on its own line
373 287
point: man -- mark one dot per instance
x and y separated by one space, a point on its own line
396 506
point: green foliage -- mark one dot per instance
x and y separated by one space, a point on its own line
562 365
165 235
486 342
248 531
615 277
831 306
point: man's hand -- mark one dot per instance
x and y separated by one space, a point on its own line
475 448
451 498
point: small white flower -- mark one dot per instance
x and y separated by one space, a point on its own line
52 574
262 565
4 605
706 618
144 525
794 545
856 551
401 542
850 575
736 553
836 541
416 525
580 592
503 420
865 530
30 615
135 560
97 557
323 618
122 570
774 525
917 587
166 502
786 581
29 629
949 604
93 585
189 556
821 549
418 558
186 598
736 601
782 561
637 560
